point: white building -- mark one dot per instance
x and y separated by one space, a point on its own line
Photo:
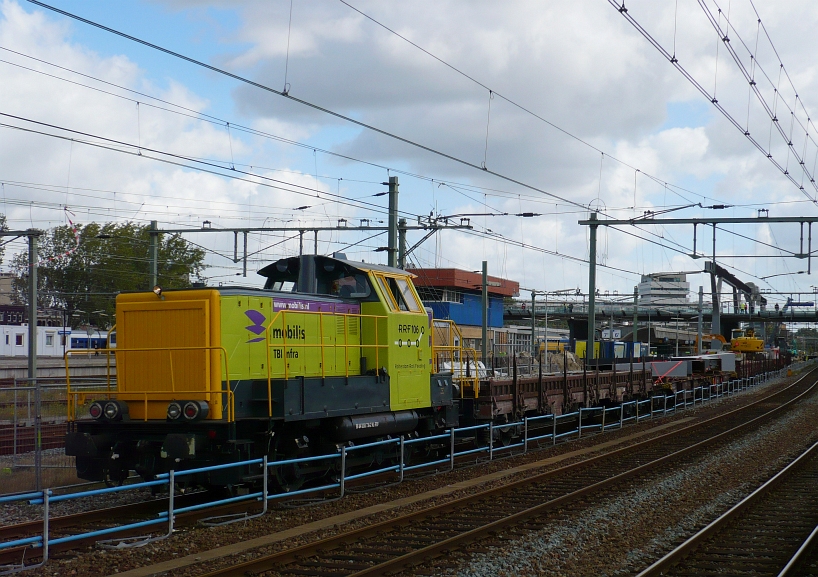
664 289
51 341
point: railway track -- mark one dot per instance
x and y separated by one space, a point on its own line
758 536
511 510
805 560
95 520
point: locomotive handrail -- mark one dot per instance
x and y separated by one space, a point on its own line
71 405
281 314
108 356
452 330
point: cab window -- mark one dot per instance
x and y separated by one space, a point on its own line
387 293
352 285
407 295
399 294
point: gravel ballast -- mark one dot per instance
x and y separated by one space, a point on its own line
637 527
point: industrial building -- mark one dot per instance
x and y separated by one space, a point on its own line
456 295
667 289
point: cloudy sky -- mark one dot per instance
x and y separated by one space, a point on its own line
564 103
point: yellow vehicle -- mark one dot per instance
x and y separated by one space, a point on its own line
745 341
708 342
330 351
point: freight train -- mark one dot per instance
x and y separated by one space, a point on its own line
330 351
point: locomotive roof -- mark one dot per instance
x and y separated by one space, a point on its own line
340 258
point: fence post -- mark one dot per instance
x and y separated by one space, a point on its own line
554 428
46 523
579 424
171 491
451 449
604 410
491 440
621 415
264 484
401 460
525 434
637 411
14 422
343 468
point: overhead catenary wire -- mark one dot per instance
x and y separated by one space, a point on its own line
749 76
198 115
209 166
620 7
306 103
493 92
522 244
115 145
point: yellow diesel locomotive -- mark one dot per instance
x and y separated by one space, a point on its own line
330 351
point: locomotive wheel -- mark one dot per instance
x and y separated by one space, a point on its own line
287 477
114 477
379 456
90 469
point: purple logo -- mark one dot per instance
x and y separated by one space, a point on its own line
257 327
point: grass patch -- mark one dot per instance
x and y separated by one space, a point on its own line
19 480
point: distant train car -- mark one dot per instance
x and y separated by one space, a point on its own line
559 345
88 342
613 350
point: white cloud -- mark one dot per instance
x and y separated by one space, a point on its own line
577 64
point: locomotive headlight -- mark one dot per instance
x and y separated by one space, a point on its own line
195 410
95 410
174 411
112 410
191 411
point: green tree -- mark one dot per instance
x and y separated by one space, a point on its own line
83 273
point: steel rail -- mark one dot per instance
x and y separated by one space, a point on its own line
277 560
678 554
803 554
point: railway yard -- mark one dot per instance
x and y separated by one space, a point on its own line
254 323
609 504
